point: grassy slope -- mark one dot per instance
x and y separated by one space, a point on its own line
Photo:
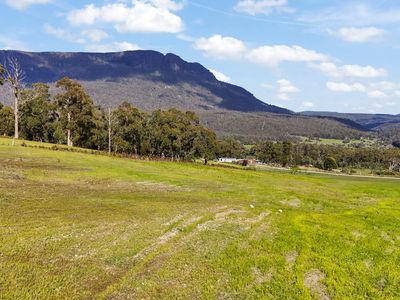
336 142
75 225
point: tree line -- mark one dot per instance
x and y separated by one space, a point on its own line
327 156
72 118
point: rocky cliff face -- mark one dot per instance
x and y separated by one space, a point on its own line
163 79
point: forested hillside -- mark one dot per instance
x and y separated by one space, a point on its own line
151 75
252 127
150 80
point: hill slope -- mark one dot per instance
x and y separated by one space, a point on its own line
79 226
367 121
254 127
151 79
387 126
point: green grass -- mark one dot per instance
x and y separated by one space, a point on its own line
365 142
248 147
82 226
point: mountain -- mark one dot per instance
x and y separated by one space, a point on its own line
126 74
150 80
385 126
254 127
366 121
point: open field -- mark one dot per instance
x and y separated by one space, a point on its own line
82 226
363 142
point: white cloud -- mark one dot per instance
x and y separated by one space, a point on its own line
349 70
185 37
385 85
285 87
371 90
308 104
221 47
168 4
220 76
145 16
21 4
377 94
271 56
113 47
95 35
358 35
344 87
63 34
253 7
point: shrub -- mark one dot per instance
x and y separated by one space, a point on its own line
385 173
295 170
330 163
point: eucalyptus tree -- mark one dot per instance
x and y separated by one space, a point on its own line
37 114
6 120
75 109
127 127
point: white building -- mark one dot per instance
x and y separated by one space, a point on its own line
227 160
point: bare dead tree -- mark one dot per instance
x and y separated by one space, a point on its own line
110 122
15 76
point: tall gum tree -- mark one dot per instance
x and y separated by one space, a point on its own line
75 109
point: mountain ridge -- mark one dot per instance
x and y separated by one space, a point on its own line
168 69
151 80
366 120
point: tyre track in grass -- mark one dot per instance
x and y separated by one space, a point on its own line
166 245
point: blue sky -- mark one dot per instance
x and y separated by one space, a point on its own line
303 55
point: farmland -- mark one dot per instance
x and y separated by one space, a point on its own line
77 226
363 142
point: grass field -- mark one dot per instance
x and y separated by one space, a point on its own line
364 142
82 226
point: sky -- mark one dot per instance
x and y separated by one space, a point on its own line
322 55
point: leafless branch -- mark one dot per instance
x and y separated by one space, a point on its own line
14 75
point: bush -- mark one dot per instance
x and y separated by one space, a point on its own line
385 173
349 171
330 163
318 165
295 170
